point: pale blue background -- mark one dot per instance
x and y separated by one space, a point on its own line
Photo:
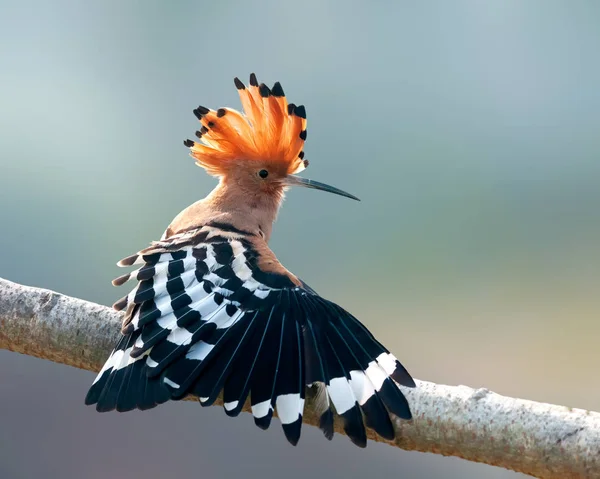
468 128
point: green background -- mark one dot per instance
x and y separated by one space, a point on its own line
469 130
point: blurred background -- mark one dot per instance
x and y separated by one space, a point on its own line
469 130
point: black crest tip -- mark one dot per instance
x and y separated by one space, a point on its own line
253 80
198 134
303 135
291 108
221 112
210 124
277 90
238 84
264 90
301 155
188 143
300 111
202 110
203 130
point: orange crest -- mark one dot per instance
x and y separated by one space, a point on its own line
269 129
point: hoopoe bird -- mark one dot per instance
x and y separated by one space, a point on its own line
214 310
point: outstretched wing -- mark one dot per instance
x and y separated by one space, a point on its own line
213 310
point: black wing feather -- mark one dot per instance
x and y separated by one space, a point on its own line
375 413
289 389
265 373
352 417
211 381
237 385
205 317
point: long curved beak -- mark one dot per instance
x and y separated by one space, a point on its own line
293 180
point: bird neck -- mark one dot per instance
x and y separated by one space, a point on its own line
231 203
246 209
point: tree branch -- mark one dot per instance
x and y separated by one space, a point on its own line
542 440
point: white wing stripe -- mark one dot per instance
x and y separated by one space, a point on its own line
199 350
180 336
289 407
388 362
376 374
361 386
261 409
341 394
210 260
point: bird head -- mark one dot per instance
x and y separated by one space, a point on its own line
259 150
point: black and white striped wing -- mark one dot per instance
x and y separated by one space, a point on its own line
205 318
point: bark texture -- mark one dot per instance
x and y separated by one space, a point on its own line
543 440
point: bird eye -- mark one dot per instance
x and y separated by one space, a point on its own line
263 174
